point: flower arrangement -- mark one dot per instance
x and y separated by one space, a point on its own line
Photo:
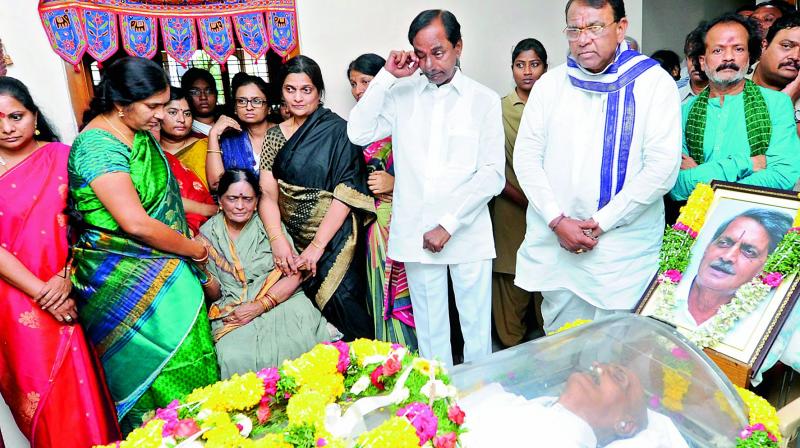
764 429
674 259
300 404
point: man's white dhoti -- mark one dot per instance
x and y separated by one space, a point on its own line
472 285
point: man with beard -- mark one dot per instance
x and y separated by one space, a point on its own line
202 89
694 83
735 255
780 61
736 131
598 147
447 140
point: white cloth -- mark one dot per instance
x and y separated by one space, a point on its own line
449 161
201 127
472 285
557 158
562 306
685 92
497 418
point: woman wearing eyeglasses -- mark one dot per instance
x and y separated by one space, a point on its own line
236 143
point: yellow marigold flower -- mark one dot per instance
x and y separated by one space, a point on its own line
307 407
365 348
796 222
693 214
235 394
395 432
320 361
222 432
573 324
330 385
271 441
423 366
148 436
761 412
675 387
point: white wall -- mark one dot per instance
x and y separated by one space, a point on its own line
335 32
35 63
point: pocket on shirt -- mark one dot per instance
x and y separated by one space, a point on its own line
462 149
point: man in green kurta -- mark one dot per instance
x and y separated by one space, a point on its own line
511 304
734 130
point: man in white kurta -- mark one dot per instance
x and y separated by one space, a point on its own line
447 142
598 147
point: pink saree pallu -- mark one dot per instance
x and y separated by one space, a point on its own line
49 375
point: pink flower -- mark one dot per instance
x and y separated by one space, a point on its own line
395 346
422 418
322 442
170 417
673 275
773 279
375 377
270 377
344 355
680 226
679 353
392 365
446 441
456 415
186 428
263 413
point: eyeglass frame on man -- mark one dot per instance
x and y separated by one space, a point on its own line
197 92
244 102
593 31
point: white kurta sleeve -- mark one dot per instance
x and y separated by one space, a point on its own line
489 178
529 152
661 158
373 116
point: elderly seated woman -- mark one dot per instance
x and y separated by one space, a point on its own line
259 318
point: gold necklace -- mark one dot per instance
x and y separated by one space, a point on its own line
124 139
4 163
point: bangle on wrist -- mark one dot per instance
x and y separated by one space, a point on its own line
556 222
214 151
202 259
316 244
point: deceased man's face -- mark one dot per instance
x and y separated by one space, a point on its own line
735 257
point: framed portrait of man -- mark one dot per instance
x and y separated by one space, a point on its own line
743 227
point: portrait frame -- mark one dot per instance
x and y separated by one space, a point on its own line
741 352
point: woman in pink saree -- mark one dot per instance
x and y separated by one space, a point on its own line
49 375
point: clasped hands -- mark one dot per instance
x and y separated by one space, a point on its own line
290 263
575 235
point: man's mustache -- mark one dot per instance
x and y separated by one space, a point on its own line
723 266
795 64
728 65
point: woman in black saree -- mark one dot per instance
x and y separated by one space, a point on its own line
316 184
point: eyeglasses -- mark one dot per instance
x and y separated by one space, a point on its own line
207 92
257 103
592 31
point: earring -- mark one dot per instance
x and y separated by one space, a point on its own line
120 113
36 131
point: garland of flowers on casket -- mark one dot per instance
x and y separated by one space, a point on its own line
676 253
300 404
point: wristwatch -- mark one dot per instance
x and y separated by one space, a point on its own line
797 115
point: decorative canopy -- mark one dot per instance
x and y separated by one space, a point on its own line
75 27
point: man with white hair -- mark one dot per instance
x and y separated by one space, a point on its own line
735 130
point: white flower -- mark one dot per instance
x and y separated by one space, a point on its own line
361 385
245 422
374 359
436 389
402 395
203 414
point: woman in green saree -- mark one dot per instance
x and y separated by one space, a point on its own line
135 271
259 317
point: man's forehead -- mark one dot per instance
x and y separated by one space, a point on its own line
791 34
745 228
727 33
767 10
581 13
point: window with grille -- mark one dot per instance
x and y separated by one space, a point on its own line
240 61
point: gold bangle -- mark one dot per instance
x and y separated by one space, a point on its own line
317 245
272 300
273 238
213 151
202 259
261 301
